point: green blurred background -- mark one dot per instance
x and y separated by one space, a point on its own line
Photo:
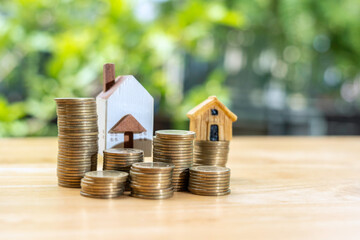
285 67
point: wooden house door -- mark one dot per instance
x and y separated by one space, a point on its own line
214 132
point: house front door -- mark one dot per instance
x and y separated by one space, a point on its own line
214 132
128 140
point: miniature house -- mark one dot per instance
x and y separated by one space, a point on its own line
125 113
211 120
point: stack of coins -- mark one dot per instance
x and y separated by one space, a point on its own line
78 139
103 184
151 180
121 159
176 147
212 153
209 180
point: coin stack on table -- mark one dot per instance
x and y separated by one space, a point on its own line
78 139
151 180
211 153
209 180
103 184
121 159
176 147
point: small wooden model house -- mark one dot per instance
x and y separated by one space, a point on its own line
125 113
211 120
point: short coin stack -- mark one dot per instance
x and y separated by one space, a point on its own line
151 180
209 180
78 138
103 184
212 153
176 147
121 159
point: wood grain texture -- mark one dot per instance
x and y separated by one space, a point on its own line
282 188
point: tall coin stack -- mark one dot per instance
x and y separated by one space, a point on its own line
212 153
176 147
103 184
78 139
121 159
209 180
151 180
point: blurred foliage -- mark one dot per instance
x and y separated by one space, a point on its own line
56 48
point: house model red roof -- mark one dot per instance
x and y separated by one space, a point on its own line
127 124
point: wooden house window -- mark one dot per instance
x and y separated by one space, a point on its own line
214 112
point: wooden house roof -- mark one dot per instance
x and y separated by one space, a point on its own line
205 105
127 124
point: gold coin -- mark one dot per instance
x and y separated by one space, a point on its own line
80 149
175 134
152 167
177 149
208 193
206 143
173 154
151 184
140 188
76 109
63 184
150 175
76 123
124 161
116 167
209 187
210 170
74 113
176 162
173 142
107 174
141 180
123 151
106 180
101 190
169 143
74 168
103 184
123 157
152 197
99 196
209 180
77 131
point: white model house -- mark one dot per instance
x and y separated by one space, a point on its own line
125 113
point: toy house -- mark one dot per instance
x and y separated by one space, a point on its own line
211 120
125 113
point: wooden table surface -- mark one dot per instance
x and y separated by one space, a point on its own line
282 188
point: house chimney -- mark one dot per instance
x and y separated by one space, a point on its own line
109 76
